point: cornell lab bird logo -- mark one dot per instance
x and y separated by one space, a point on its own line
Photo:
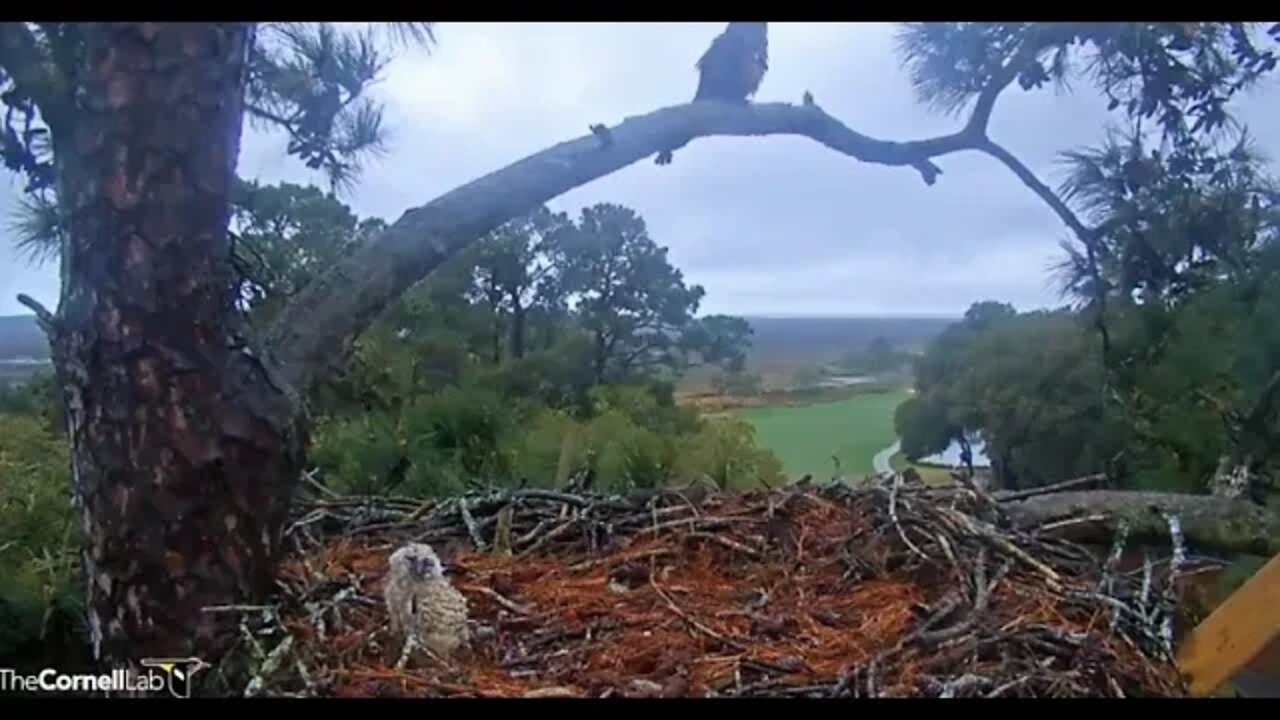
426 612
178 673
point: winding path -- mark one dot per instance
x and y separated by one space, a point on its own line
880 463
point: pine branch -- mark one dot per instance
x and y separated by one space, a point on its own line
47 321
32 72
1044 192
1089 237
1040 38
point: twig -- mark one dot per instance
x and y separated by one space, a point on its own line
1059 524
1115 687
309 477
419 511
692 622
305 674
1170 598
727 542
962 683
699 523
269 667
987 498
560 497
897 524
1107 582
555 533
502 600
1146 584
982 595
470 522
1050 489
532 534
1007 686
990 535
946 550
617 560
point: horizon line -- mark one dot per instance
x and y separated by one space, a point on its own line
771 316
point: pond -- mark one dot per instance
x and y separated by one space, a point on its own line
951 456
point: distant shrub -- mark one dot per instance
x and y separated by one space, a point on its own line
651 407
470 429
360 454
40 604
433 446
554 378
548 435
625 454
724 451
36 395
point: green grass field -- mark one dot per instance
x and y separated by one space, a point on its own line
930 475
805 437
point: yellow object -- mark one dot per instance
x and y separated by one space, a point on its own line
1235 633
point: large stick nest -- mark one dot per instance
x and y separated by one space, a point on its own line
886 590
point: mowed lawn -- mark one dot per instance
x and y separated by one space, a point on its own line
805 437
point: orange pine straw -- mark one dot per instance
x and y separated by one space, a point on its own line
605 626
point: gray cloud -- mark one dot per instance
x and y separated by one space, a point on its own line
772 225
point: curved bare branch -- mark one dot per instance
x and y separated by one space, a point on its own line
332 310
1044 192
318 325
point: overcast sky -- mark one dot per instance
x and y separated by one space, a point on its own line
774 225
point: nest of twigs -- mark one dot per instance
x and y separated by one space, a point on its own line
834 591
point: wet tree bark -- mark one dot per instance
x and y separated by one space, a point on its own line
185 448
519 315
1216 523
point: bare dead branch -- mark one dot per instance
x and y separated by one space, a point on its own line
1073 484
319 324
1028 178
321 321
47 320
666 599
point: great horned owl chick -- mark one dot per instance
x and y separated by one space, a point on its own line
425 610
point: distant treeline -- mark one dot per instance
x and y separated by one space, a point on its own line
781 339
20 337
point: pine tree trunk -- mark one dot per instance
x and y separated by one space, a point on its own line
519 316
184 449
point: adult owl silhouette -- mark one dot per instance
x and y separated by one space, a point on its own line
732 69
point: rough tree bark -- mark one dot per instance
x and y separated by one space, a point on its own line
1216 523
185 449
519 318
